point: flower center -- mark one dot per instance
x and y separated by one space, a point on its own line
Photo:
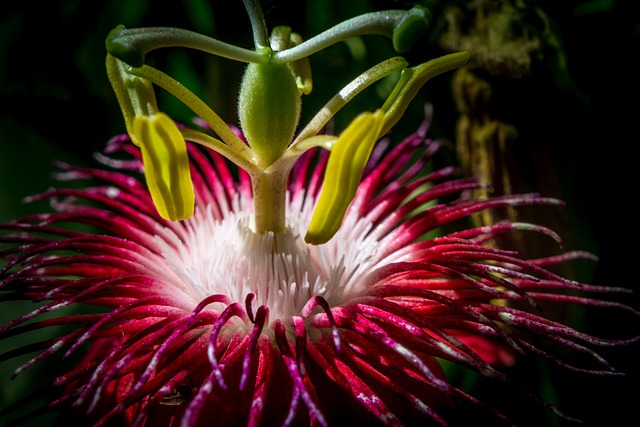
225 256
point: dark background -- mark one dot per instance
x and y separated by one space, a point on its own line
56 103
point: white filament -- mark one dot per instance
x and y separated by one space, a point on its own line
222 255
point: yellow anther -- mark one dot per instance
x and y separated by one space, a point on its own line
166 164
344 170
301 68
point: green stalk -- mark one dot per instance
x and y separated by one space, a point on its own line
269 197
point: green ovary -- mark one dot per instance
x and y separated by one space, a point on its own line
269 109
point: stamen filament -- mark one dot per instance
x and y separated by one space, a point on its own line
411 80
325 141
218 146
347 93
219 126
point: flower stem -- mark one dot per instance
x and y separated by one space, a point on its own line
269 196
